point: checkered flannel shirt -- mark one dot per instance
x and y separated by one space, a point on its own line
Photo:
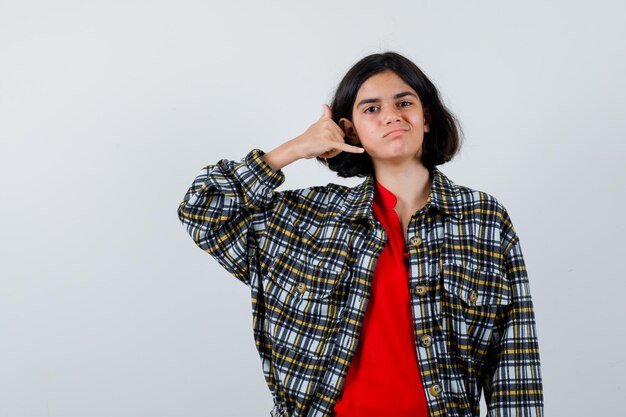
308 257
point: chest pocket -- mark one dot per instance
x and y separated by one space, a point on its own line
470 304
476 287
300 303
303 280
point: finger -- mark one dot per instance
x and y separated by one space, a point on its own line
330 154
327 112
340 133
341 130
332 128
352 149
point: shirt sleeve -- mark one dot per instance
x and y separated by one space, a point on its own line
513 385
227 207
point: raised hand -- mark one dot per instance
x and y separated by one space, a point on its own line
323 138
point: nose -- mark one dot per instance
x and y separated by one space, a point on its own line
390 115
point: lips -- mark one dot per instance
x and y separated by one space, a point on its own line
395 132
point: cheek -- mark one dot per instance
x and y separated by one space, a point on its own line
364 127
370 136
368 123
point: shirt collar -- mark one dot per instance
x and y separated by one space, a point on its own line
445 196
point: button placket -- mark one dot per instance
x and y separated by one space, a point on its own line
425 340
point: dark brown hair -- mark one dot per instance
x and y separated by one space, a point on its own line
441 143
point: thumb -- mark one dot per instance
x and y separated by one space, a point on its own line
327 112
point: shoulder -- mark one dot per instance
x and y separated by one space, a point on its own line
485 210
318 199
479 202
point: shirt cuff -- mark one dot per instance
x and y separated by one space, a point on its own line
263 170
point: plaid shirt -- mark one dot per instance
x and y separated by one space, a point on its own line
308 256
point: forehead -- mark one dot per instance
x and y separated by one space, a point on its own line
383 85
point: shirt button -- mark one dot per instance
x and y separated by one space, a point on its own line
435 390
420 289
301 287
416 241
473 296
426 340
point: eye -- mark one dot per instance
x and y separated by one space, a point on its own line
367 109
407 102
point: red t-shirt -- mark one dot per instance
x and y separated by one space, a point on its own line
384 378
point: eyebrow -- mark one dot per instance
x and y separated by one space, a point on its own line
377 100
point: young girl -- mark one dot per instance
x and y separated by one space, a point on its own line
406 295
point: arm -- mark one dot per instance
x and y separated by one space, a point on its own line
513 385
230 201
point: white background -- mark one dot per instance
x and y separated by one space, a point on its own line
109 109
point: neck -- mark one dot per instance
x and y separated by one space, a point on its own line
411 184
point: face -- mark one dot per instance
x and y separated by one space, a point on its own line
387 119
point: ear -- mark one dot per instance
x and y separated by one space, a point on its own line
349 130
426 121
